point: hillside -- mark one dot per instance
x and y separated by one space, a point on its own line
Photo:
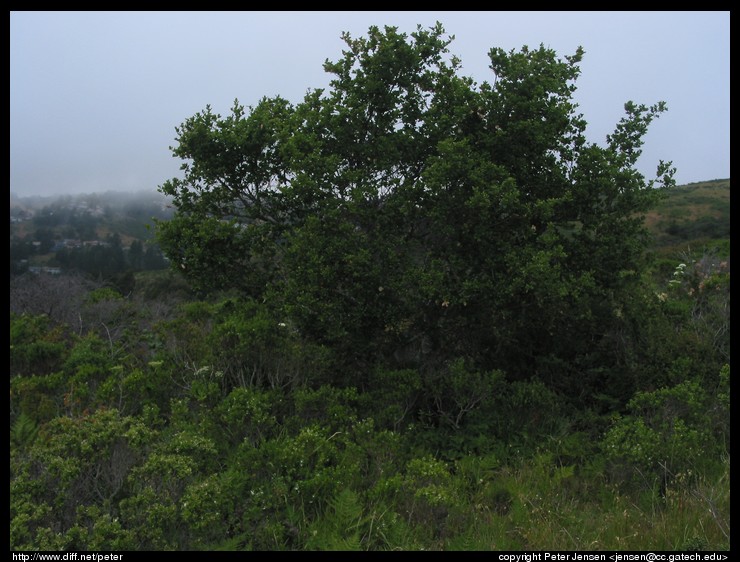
90 216
100 234
692 214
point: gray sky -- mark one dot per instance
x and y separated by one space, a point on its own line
95 96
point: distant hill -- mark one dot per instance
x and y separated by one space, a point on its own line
101 234
692 214
91 216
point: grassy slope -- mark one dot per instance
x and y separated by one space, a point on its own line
692 214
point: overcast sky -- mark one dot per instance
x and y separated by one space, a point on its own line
95 96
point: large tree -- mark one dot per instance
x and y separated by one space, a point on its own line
409 216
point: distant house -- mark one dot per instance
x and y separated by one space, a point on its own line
66 243
37 270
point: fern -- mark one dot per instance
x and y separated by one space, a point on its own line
229 545
339 529
24 431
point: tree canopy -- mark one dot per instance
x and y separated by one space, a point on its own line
409 217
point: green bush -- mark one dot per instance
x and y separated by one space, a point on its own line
36 347
666 432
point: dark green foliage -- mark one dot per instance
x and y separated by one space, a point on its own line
162 286
243 340
407 217
394 397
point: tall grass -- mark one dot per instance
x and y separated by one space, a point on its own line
555 509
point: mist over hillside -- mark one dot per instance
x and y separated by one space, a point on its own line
99 234
107 233
112 199
688 211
